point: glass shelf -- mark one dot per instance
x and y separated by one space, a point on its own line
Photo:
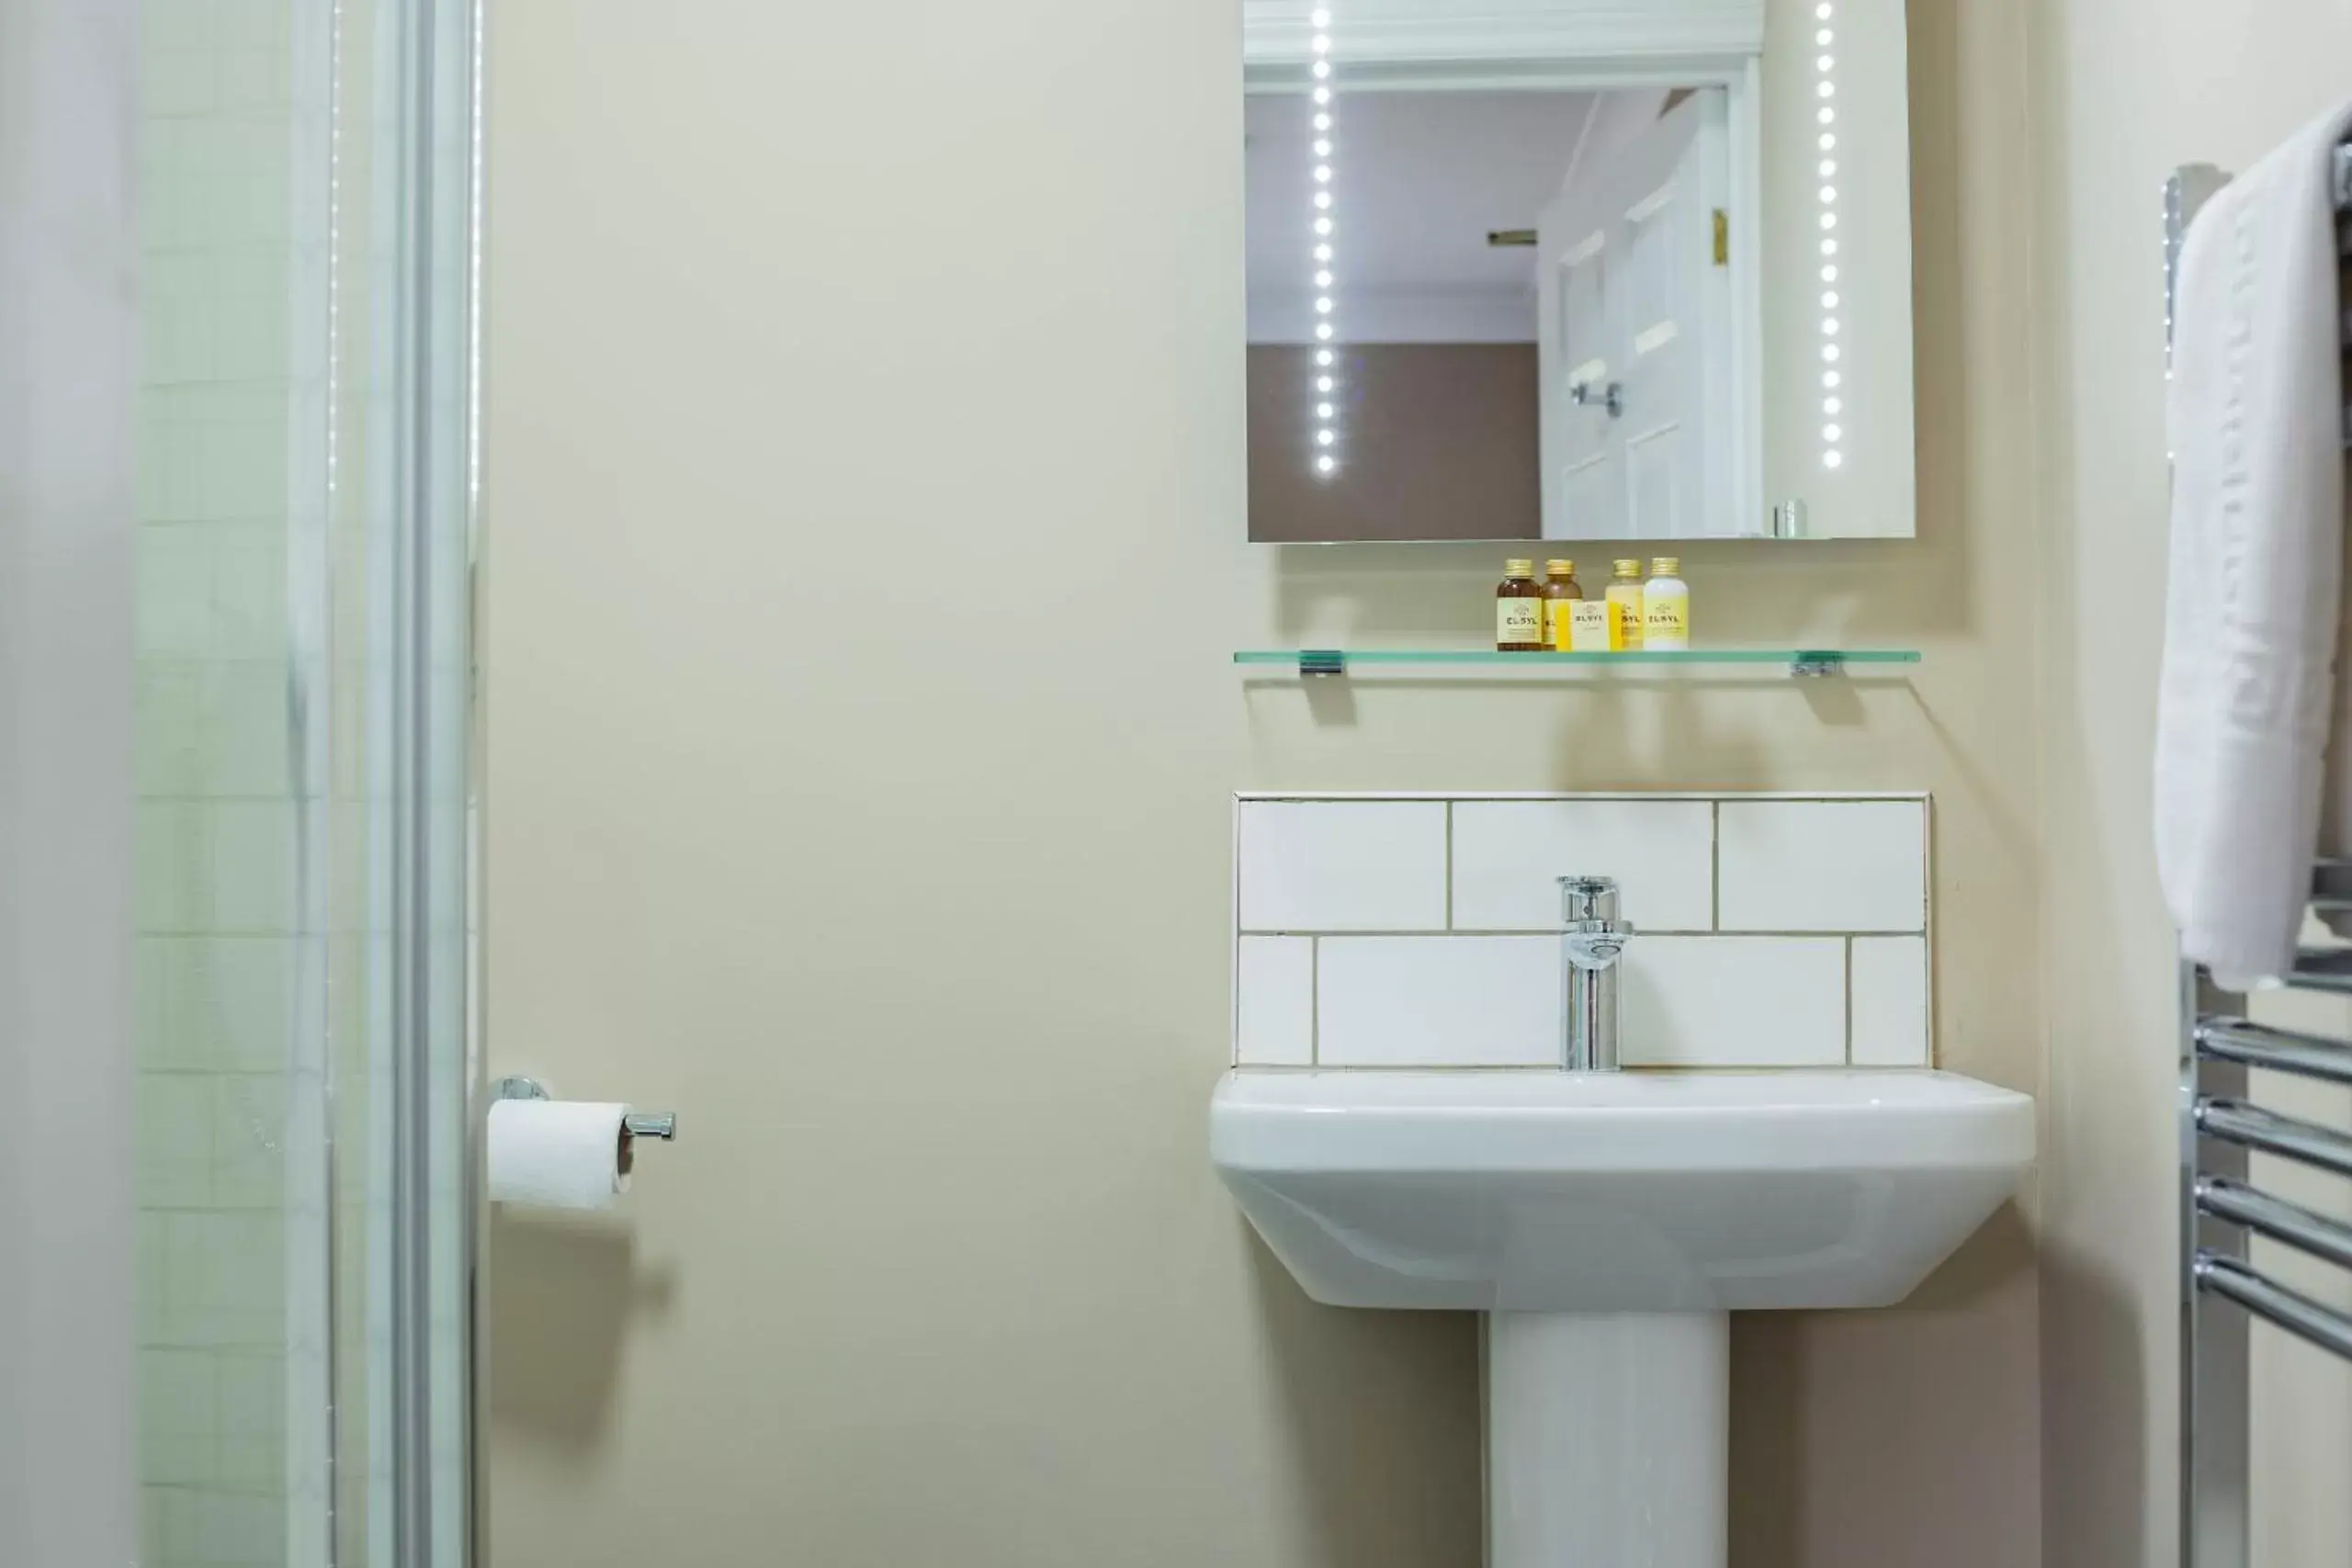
1804 661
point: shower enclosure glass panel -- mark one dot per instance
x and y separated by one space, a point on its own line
304 537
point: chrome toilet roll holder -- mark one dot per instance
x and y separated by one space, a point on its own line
661 1124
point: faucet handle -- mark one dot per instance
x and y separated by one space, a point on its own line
1586 900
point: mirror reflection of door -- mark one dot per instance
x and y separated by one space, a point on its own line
1633 272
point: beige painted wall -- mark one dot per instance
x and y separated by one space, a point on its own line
914 900
2123 91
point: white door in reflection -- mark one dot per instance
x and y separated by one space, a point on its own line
1636 332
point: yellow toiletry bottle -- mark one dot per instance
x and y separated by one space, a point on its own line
1666 606
1562 594
1625 608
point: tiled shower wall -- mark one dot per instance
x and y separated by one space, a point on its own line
1401 931
217 915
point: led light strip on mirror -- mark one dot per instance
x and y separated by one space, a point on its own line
1326 253
1833 405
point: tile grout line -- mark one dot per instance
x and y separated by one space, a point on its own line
1416 1065
1449 864
1736 796
1715 864
1678 932
1849 1001
1928 925
1315 1002
1233 864
1233 958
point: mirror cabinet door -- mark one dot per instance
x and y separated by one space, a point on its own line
1577 270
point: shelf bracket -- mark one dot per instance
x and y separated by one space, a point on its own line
1813 663
1322 661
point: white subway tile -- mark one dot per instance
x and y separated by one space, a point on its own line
237 1528
1341 865
176 1153
178 83
252 1396
243 744
1723 1001
227 1281
1890 1009
251 875
162 1033
155 1283
170 728
249 610
231 991
175 593
1274 1013
1438 1001
179 1417
247 1115
1508 856
174 860
1856 865
251 24
254 81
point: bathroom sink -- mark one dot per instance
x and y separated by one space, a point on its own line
1609 1224
1618 1191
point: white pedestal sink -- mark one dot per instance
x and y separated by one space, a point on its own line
1609 1224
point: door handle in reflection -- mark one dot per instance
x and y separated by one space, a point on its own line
1611 397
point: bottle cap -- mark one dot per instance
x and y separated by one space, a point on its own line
1667 565
1561 567
1629 569
1518 569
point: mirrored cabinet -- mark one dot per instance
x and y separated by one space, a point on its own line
1577 270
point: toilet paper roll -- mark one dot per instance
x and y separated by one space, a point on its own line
559 1154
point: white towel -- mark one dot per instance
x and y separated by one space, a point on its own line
2247 700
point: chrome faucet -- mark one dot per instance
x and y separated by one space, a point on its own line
1595 939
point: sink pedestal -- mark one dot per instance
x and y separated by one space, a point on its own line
1608 1439
1609 1224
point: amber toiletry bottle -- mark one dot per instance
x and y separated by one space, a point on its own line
1561 591
1519 609
1625 608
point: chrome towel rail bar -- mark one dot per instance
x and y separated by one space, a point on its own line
2240 1204
2276 1050
2274 1303
2323 969
2252 1127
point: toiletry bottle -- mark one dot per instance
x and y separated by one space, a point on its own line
1666 606
1588 625
1625 608
1519 609
1561 591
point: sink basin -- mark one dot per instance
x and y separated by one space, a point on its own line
1616 1192
1609 1224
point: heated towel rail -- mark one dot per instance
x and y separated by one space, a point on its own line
2221 1210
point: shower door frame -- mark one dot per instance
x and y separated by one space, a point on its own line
422 432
